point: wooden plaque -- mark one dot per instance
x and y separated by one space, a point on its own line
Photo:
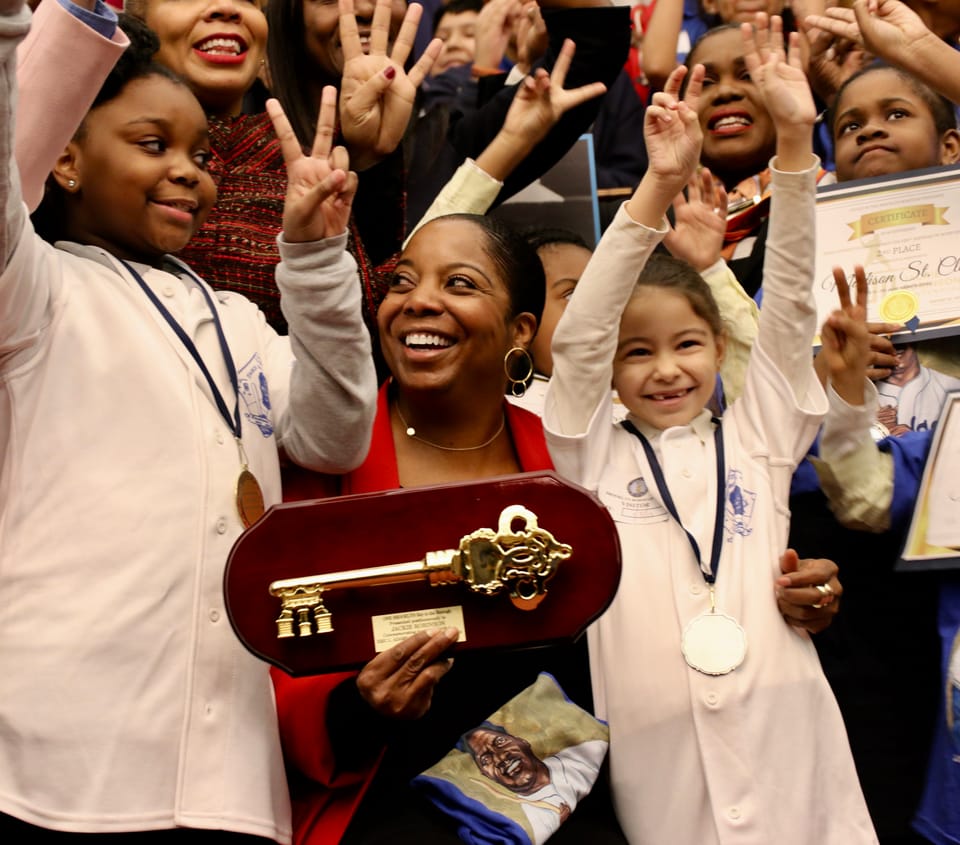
298 540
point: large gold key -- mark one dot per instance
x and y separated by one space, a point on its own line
519 557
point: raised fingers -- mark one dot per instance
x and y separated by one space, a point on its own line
575 96
694 88
751 52
326 121
349 34
561 66
420 70
674 81
860 277
843 288
407 34
380 27
289 145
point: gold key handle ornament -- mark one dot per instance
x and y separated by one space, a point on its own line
520 557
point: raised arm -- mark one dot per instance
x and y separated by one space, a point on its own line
585 341
855 476
333 386
660 41
788 316
540 102
54 102
898 35
16 23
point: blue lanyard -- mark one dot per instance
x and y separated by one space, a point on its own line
711 576
233 423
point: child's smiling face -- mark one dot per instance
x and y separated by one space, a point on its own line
884 126
140 166
667 360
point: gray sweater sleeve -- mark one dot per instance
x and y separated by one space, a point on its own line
333 383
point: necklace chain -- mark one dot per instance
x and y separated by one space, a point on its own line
411 432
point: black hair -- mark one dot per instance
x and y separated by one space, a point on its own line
521 270
517 261
136 62
463 743
455 7
714 30
291 65
541 236
295 76
668 273
944 114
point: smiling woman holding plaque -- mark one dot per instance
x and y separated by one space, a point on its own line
455 326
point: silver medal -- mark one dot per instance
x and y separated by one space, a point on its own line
714 643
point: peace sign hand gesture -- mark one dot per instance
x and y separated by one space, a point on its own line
846 339
376 93
320 186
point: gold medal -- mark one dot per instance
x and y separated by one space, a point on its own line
249 498
714 643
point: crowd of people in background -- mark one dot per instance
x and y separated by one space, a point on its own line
252 252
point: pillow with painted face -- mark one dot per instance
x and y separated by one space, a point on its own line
518 776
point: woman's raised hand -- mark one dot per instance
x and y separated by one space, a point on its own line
320 186
376 93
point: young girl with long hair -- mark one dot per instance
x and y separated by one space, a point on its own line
722 725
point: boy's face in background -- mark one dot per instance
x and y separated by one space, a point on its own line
884 126
563 264
458 32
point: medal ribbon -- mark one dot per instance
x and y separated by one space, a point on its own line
711 576
233 422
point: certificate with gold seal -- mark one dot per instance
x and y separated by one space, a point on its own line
905 231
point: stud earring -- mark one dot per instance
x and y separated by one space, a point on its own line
71 183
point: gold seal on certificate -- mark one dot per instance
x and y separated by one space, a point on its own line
249 498
713 643
899 306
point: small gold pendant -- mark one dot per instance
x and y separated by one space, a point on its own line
249 498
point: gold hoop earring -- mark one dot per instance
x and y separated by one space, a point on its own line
518 386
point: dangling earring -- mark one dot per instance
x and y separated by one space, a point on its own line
518 386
